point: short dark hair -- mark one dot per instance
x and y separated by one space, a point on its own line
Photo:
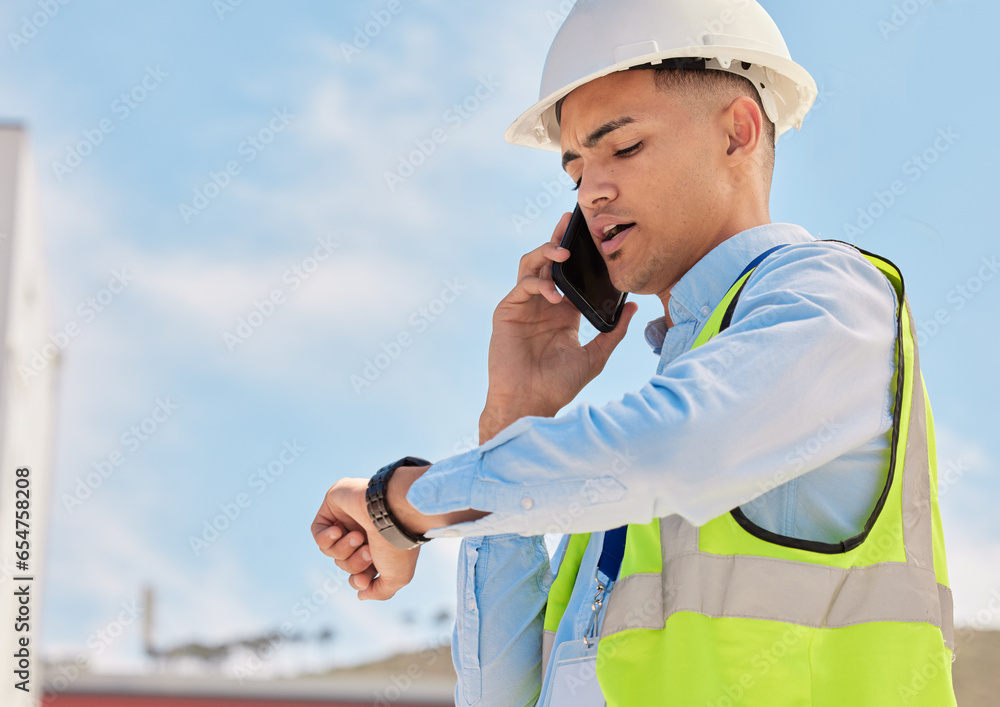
690 76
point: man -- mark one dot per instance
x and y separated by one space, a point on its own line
775 480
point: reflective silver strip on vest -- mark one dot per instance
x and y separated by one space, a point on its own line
548 641
800 593
794 592
918 535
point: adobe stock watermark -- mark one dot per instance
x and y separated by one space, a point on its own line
225 7
605 488
720 24
902 13
536 206
121 109
468 442
812 447
264 308
823 97
936 664
366 33
723 355
958 297
32 24
799 457
60 678
230 510
761 664
987 616
914 169
420 320
556 17
454 118
247 151
303 609
921 677
950 474
131 440
400 682
87 311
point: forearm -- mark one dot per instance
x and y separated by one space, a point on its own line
501 412
412 519
715 430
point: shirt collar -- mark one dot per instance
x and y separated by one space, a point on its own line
699 291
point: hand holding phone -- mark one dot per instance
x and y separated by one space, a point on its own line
584 277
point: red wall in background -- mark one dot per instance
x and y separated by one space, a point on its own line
140 701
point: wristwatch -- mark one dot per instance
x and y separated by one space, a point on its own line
378 510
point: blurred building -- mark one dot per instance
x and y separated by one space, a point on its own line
398 689
30 361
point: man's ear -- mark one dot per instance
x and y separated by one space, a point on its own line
746 127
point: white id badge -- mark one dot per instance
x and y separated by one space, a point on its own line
574 677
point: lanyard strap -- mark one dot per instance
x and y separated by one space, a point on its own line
612 551
758 260
608 565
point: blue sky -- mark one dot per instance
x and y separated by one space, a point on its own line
236 171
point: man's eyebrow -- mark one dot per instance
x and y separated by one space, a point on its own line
596 136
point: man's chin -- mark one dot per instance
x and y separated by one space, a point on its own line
619 278
628 281
623 284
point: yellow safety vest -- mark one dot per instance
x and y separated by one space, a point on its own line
731 614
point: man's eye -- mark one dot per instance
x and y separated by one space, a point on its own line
578 183
628 150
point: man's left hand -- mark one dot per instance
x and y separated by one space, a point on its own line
343 531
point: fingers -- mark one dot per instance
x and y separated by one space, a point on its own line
340 534
534 272
351 554
560 229
362 581
379 590
602 345
529 287
333 543
326 535
538 263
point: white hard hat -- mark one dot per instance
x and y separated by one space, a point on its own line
603 36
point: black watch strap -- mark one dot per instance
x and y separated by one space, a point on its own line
378 509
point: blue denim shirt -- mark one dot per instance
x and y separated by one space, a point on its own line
786 414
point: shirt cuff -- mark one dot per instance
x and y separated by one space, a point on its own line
447 487
450 485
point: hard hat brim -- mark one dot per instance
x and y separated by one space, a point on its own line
537 127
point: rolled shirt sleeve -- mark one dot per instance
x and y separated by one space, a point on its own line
811 343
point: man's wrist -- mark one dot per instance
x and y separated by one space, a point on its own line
408 517
380 512
498 415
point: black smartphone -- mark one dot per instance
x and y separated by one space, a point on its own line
584 277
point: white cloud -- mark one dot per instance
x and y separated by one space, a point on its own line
974 572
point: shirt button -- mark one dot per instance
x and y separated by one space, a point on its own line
471 605
527 504
706 310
